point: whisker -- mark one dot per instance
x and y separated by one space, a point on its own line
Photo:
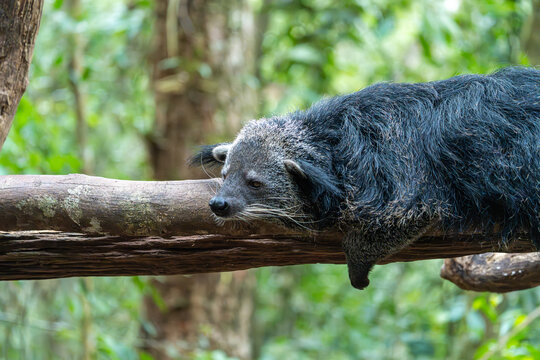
205 171
265 211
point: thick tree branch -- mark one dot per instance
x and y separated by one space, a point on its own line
87 204
494 272
49 254
165 227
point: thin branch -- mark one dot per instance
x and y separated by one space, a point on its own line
494 272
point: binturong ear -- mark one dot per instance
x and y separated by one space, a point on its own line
210 155
318 186
294 169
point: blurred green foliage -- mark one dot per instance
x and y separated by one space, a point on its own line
408 312
312 48
115 39
315 48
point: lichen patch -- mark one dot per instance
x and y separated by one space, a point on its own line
47 204
72 203
94 228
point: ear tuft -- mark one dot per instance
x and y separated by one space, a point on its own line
208 156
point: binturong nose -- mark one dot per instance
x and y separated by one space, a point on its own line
219 206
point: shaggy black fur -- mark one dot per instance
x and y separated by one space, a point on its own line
468 147
388 160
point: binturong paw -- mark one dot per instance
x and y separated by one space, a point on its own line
359 260
358 274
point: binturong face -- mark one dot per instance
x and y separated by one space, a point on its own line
257 183
263 180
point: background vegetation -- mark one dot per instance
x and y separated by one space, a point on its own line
310 49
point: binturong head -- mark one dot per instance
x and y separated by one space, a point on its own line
271 172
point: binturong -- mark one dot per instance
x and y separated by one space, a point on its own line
385 163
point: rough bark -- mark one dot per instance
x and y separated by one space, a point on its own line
97 205
48 254
494 272
199 65
19 24
87 204
165 227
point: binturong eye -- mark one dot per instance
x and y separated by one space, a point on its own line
254 184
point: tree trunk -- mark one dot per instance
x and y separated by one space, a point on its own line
19 24
532 41
200 61
75 72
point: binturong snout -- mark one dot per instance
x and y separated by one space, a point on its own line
219 206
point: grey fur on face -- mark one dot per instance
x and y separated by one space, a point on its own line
256 181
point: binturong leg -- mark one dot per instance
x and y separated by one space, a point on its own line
362 252
364 249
